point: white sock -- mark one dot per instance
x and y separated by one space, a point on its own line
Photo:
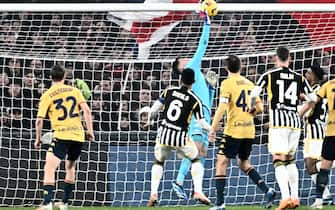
293 180
197 176
156 175
326 192
282 179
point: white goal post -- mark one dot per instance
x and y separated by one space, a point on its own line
94 45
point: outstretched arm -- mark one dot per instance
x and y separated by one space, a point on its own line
195 62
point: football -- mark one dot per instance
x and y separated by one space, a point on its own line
212 8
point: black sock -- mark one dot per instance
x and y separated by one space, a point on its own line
68 187
220 185
48 194
321 182
257 179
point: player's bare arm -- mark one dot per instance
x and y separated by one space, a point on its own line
38 126
88 120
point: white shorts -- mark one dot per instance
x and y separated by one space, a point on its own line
313 148
283 141
314 135
162 152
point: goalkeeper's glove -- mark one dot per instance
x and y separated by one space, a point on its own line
211 78
83 87
203 12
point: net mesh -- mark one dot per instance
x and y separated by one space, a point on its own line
116 169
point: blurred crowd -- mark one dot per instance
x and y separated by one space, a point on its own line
121 92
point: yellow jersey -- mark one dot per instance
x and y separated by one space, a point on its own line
61 103
327 91
234 97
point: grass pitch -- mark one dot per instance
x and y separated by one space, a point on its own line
168 208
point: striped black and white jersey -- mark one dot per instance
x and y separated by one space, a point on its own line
179 105
284 87
316 120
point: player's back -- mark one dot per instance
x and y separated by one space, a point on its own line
240 123
61 103
284 87
327 90
179 105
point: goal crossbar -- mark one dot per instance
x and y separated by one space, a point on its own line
257 7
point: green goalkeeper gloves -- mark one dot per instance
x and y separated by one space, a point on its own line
83 87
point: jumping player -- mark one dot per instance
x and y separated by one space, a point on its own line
204 88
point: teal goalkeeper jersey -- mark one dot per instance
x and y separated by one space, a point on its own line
200 87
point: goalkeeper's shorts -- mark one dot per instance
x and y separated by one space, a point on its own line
196 132
60 148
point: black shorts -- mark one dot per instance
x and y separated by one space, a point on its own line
61 148
230 147
328 148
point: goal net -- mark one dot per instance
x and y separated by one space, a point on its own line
126 60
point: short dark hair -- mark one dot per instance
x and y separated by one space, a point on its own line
318 71
175 65
233 63
282 53
187 76
57 73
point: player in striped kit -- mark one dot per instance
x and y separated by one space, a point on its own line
315 129
284 88
180 103
204 88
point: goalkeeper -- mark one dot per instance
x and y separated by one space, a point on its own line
80 84
204 89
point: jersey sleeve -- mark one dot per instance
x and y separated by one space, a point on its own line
195 62
198 111
225 93
43 106
322 92
262 82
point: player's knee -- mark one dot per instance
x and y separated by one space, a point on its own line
222 160
203 152
71 171
50 166
221 167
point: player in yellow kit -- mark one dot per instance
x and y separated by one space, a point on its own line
62 103
239 130
326 91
